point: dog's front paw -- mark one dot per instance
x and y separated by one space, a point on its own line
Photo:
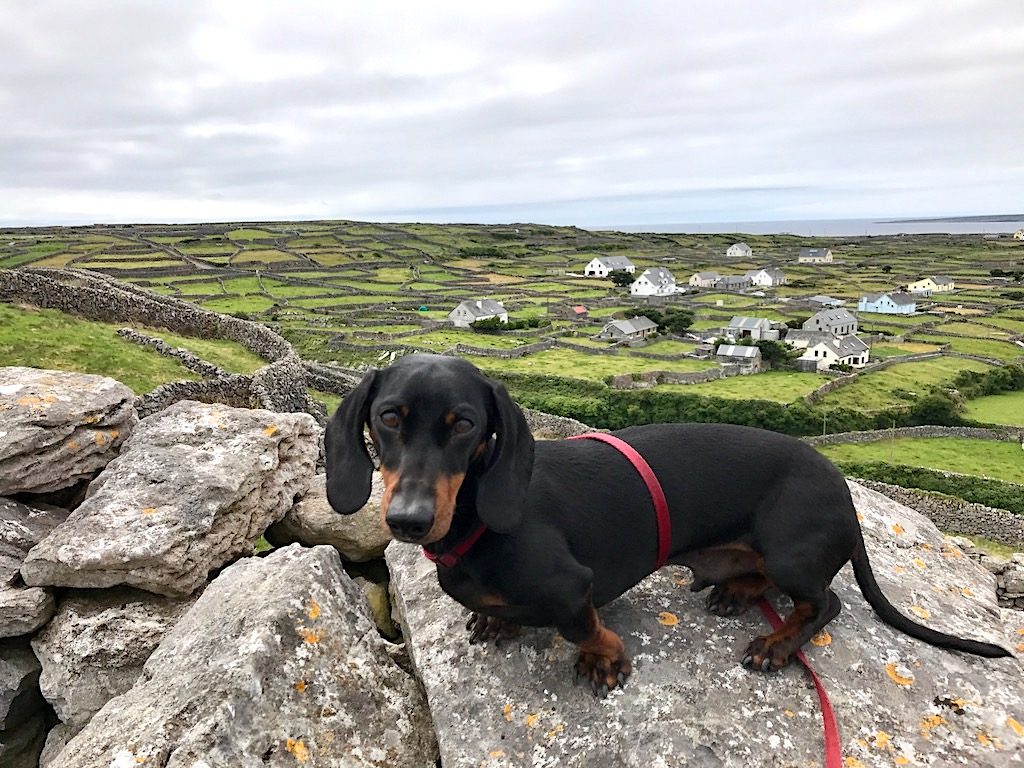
605 672
483 628
768 654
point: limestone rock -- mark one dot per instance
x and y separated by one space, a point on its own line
56 740
23 609
59 427
96 644
276 664
193 488
358 537
689 702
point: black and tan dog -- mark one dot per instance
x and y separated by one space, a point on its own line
543 534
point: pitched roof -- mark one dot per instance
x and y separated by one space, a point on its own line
482 307
658 276
632 325
743 246
942 280
901 299
834 316
814 252
614 262
745 323
707 275
738 350
844 346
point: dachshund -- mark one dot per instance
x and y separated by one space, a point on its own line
545 533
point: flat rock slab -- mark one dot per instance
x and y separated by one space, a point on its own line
689 702
193 488
276 664
58 428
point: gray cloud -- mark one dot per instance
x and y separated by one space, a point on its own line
562 112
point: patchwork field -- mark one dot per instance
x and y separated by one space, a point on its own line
364 283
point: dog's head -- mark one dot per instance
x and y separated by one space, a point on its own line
436 422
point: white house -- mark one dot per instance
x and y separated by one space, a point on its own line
888 303
656 281
932 284
848 350
634 328
602 266
739 251
1019 234
471 310
837 322
815 256
769 277
704 279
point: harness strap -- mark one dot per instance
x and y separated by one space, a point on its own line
833 749
653 487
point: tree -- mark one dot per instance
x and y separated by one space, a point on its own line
621 278
677 320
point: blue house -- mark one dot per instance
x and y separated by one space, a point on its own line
888 303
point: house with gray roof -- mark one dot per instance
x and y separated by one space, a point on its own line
704 279
888 303
471 310
815 256
656 281
798 338
847 350
634 328
602 266
733 283
739 251
837 322
767 277
747 359
756 328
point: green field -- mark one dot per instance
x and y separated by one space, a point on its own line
46 338
903 382
579 365
982 458
778 386
1007 408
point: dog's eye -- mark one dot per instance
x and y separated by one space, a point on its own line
390 419
462 426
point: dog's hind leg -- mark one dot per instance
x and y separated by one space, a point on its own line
810 614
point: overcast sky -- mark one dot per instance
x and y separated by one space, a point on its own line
554 111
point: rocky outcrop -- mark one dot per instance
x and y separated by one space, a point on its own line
58 428
276 664
358 537
23 609
689 702
193 488
95 646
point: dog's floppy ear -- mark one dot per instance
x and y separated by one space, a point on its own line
349 469
501 488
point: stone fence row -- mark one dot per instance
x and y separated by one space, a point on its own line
649 379
976 433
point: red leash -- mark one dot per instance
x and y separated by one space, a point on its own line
833 749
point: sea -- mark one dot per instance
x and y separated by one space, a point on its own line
973 225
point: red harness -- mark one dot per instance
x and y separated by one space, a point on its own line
653 487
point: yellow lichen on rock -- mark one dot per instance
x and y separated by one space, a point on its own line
667 619
896 677
297 749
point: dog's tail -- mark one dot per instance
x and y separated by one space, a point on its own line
888 613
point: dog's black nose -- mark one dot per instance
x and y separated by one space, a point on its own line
410 520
